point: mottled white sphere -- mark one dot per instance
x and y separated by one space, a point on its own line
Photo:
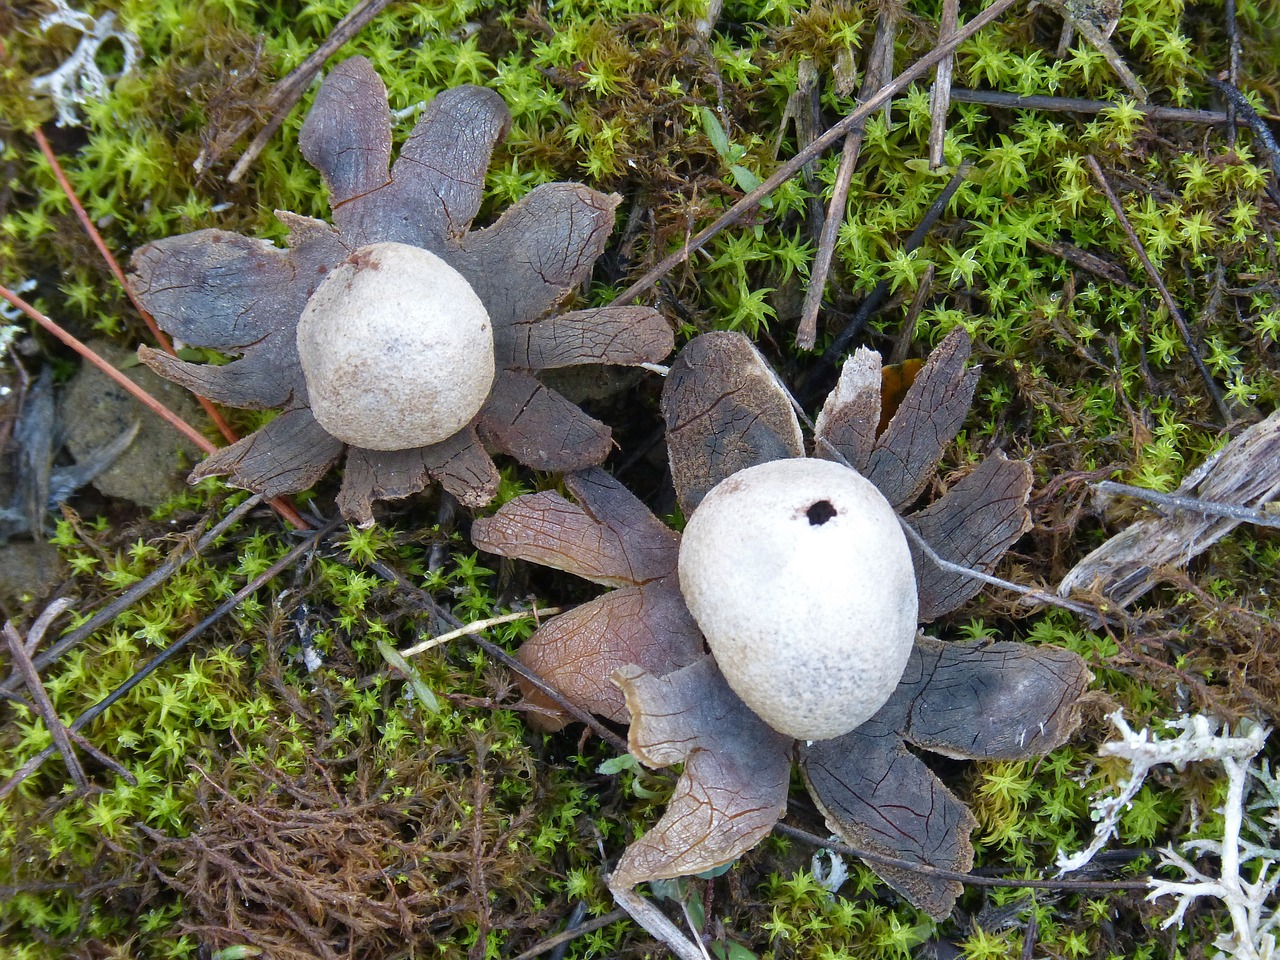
396 349
801 580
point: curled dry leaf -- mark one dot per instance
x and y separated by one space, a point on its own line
726 412
736 771
608 537
386 372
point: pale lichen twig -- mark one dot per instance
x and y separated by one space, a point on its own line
1248 903
1263 517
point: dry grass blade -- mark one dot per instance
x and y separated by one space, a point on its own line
425 601
1085 260
479 626
877 296
655 923
902 345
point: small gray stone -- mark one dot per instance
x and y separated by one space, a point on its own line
94 410
28 571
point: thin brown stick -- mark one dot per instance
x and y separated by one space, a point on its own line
87 224
878 71
833 133
280 99
969 879
546 946
1013 101
1102 44
1029 937
21 655
1085 260
114 266
102 706
908 331
141 395
1175 312
81 741
940 104
876 298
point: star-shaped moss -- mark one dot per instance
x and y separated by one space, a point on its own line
245 297
636 654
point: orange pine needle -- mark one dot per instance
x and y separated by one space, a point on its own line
113 265
282 505
141 395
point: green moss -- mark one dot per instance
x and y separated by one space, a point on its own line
1081 374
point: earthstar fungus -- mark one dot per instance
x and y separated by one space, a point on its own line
636 653
398 334
800 579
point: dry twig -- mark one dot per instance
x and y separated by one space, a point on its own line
186 551
590 926
425 601
833 133
280 99
146 399
1013 101
21 653
940 103
879 70
967 878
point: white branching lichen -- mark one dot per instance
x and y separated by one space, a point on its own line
80 78
1250 827
829 869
